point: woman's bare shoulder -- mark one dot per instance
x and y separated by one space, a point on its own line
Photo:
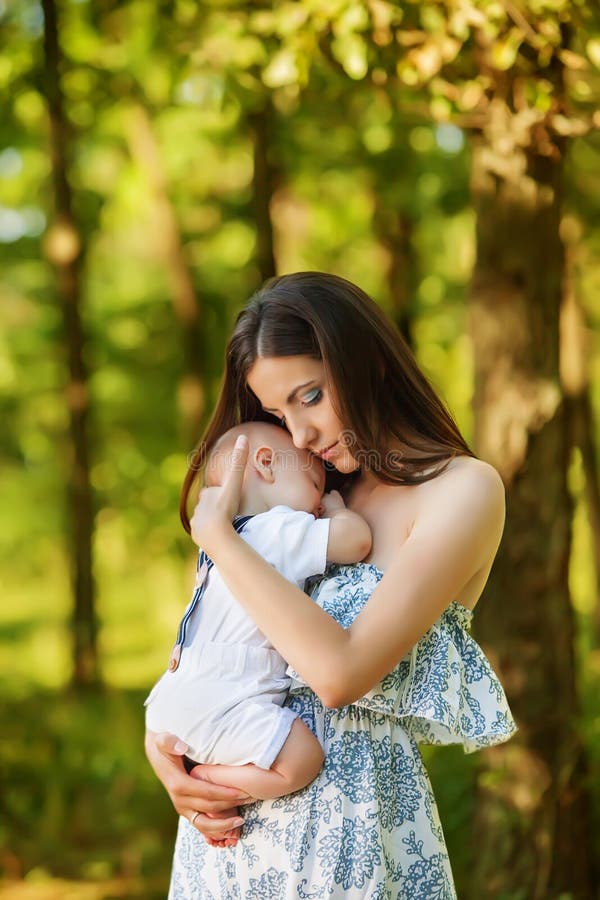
467 484
470 468
466 473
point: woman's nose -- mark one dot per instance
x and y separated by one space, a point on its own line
302 435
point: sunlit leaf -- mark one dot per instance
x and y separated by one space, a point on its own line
408 73
354 18
427 60
504 51
592 48
282 69
351 51
290 17
440 109
469 95
573 60
569 126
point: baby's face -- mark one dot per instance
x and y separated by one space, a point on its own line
299 480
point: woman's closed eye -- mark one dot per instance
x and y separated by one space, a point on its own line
310 399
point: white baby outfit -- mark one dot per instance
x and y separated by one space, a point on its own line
225 697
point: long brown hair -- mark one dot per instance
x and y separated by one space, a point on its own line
385 399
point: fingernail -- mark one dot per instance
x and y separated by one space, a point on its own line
237 822
180 747
241 441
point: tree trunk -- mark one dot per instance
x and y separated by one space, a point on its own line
191 391
585 431
532 824
263 187
64 249
394 230
575 378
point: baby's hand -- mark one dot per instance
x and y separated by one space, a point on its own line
331 503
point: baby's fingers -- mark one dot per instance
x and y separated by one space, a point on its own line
332 501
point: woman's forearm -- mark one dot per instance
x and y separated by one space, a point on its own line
313 643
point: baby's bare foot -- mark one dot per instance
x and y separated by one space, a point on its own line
230 836
224 839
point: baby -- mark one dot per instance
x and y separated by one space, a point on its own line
224 690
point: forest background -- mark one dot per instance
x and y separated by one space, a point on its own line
158 161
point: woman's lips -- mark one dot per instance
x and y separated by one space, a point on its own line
327 452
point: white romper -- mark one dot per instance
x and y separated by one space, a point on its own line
225 698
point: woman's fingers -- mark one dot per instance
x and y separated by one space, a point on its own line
218 504
187 804
169 744
188 793
234 477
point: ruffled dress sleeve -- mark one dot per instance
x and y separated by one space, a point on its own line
444 691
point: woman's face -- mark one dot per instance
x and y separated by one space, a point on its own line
295 389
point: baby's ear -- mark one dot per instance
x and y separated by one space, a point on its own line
262 461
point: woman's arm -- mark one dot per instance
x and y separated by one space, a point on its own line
456 533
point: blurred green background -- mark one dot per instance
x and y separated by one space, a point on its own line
158 161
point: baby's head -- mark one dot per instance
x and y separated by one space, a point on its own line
277 473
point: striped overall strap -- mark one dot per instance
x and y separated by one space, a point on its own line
203 567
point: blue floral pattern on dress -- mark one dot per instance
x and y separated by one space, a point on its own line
367 826
270 886
352 852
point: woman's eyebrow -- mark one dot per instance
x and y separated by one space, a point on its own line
293 394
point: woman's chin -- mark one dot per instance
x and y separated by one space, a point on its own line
344 463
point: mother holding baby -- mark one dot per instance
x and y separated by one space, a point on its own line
381 654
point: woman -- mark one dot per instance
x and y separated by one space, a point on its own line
381 654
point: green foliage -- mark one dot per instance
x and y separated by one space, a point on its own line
78 798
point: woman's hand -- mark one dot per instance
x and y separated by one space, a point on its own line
218 505
194 798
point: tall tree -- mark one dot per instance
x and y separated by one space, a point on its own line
186 304
533 821
64 246
576 382
264 182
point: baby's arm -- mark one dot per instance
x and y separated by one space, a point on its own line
349 535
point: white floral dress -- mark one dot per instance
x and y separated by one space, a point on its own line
367 826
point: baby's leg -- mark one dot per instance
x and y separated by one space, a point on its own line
297 763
